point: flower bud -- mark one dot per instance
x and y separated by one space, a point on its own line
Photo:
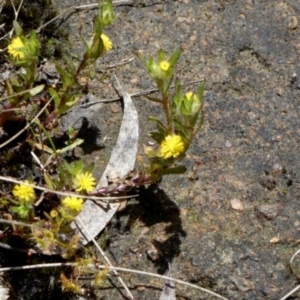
192 103
106 13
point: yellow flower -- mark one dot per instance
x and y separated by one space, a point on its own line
53 213
172 146
164 65
24 193
84 182
191 96
15 48
73 203
107 43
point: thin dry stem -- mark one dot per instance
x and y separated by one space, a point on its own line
22 130
145 92
290 293
53 265
103 199
105 257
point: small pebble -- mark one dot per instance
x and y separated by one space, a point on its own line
270 211
274 240
292 23
228 144
236 204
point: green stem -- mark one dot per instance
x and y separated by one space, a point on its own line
166 108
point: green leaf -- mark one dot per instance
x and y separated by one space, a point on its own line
48 181
89 168
160 126
76 168
22 210
199 124
76 143
53 93
174 58
201 90
66 78
36 90
174 170
160 55
153 99
9 88
158 137
68 167
72 100
167 85
18 29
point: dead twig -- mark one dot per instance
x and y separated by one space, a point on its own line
145 92
54 265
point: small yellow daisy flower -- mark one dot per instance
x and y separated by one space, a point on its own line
84 182
172 146
24 193
164 65
107 43
15 48
73 203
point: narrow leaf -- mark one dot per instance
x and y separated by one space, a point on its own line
174 170
48 181
175 56
76 143
153 99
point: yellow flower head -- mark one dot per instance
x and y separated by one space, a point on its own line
15 48
172 146
164 65
191 96
24 193
84 182
73 203
107 43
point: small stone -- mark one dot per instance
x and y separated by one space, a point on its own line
292 23
228 144
153 254
270 211
236 204
274 240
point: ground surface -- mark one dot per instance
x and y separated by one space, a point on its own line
247 152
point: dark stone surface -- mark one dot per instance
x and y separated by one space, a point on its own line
248 149
248 52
